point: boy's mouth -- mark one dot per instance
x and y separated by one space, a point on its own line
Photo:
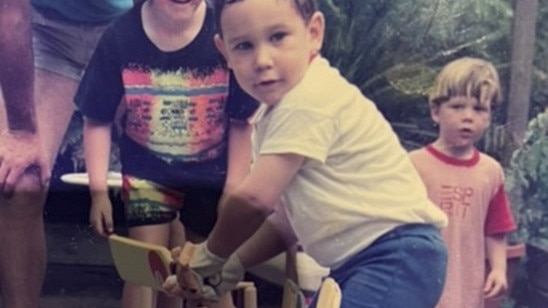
466 132
181 1
267 82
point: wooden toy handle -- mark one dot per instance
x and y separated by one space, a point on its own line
190 286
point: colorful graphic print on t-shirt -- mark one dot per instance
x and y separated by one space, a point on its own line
179 116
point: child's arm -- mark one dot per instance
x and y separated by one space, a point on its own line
268 242
97 153
496 255
247 208
240 221
239 153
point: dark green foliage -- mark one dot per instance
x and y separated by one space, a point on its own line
527 182
392 50
539 95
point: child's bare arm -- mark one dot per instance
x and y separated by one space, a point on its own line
496 255
247 208
97 153
266 243
239 153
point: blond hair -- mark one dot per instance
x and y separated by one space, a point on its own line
469 77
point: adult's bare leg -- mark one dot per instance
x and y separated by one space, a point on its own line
54 95
16 65
22 256
22 240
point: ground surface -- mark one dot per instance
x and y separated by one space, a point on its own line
80 272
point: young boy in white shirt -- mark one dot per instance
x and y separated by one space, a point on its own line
348 188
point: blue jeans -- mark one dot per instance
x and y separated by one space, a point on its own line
404 268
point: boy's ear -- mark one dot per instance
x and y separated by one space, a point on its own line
220 44
316 28
434 113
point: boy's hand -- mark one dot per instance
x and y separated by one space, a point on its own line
495 283
232 273
100 215
199 272
172 288
203 276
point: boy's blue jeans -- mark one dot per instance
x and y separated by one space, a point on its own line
403 268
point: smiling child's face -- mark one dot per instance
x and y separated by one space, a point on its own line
268 45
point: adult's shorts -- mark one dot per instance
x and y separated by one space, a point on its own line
63 47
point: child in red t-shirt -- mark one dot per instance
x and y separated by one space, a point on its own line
467 184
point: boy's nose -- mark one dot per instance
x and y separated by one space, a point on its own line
468 114
263 58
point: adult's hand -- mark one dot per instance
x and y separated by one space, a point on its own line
20 152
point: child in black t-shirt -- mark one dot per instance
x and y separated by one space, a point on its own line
157 73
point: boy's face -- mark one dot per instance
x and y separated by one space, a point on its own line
268 45
462 121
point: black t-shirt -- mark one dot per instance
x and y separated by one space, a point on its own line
173 107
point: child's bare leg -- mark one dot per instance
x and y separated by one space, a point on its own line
176 238
136 296
177 235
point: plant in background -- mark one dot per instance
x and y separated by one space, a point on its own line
392 50
527 187
499 143
72 144
527 182
72 147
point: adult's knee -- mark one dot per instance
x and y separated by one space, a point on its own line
26 204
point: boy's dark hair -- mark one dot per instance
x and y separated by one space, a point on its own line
306 9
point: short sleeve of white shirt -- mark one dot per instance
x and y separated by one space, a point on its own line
300 132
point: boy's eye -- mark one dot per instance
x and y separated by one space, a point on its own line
278 36
480 108
242 46
457 106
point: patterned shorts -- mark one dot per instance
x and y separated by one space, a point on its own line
147 203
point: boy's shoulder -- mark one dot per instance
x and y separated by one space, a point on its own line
418 152
323 83
126 23
489 160
123 32
321 71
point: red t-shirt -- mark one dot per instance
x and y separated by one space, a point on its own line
471 193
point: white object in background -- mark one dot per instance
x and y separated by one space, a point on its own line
309 275
114 179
